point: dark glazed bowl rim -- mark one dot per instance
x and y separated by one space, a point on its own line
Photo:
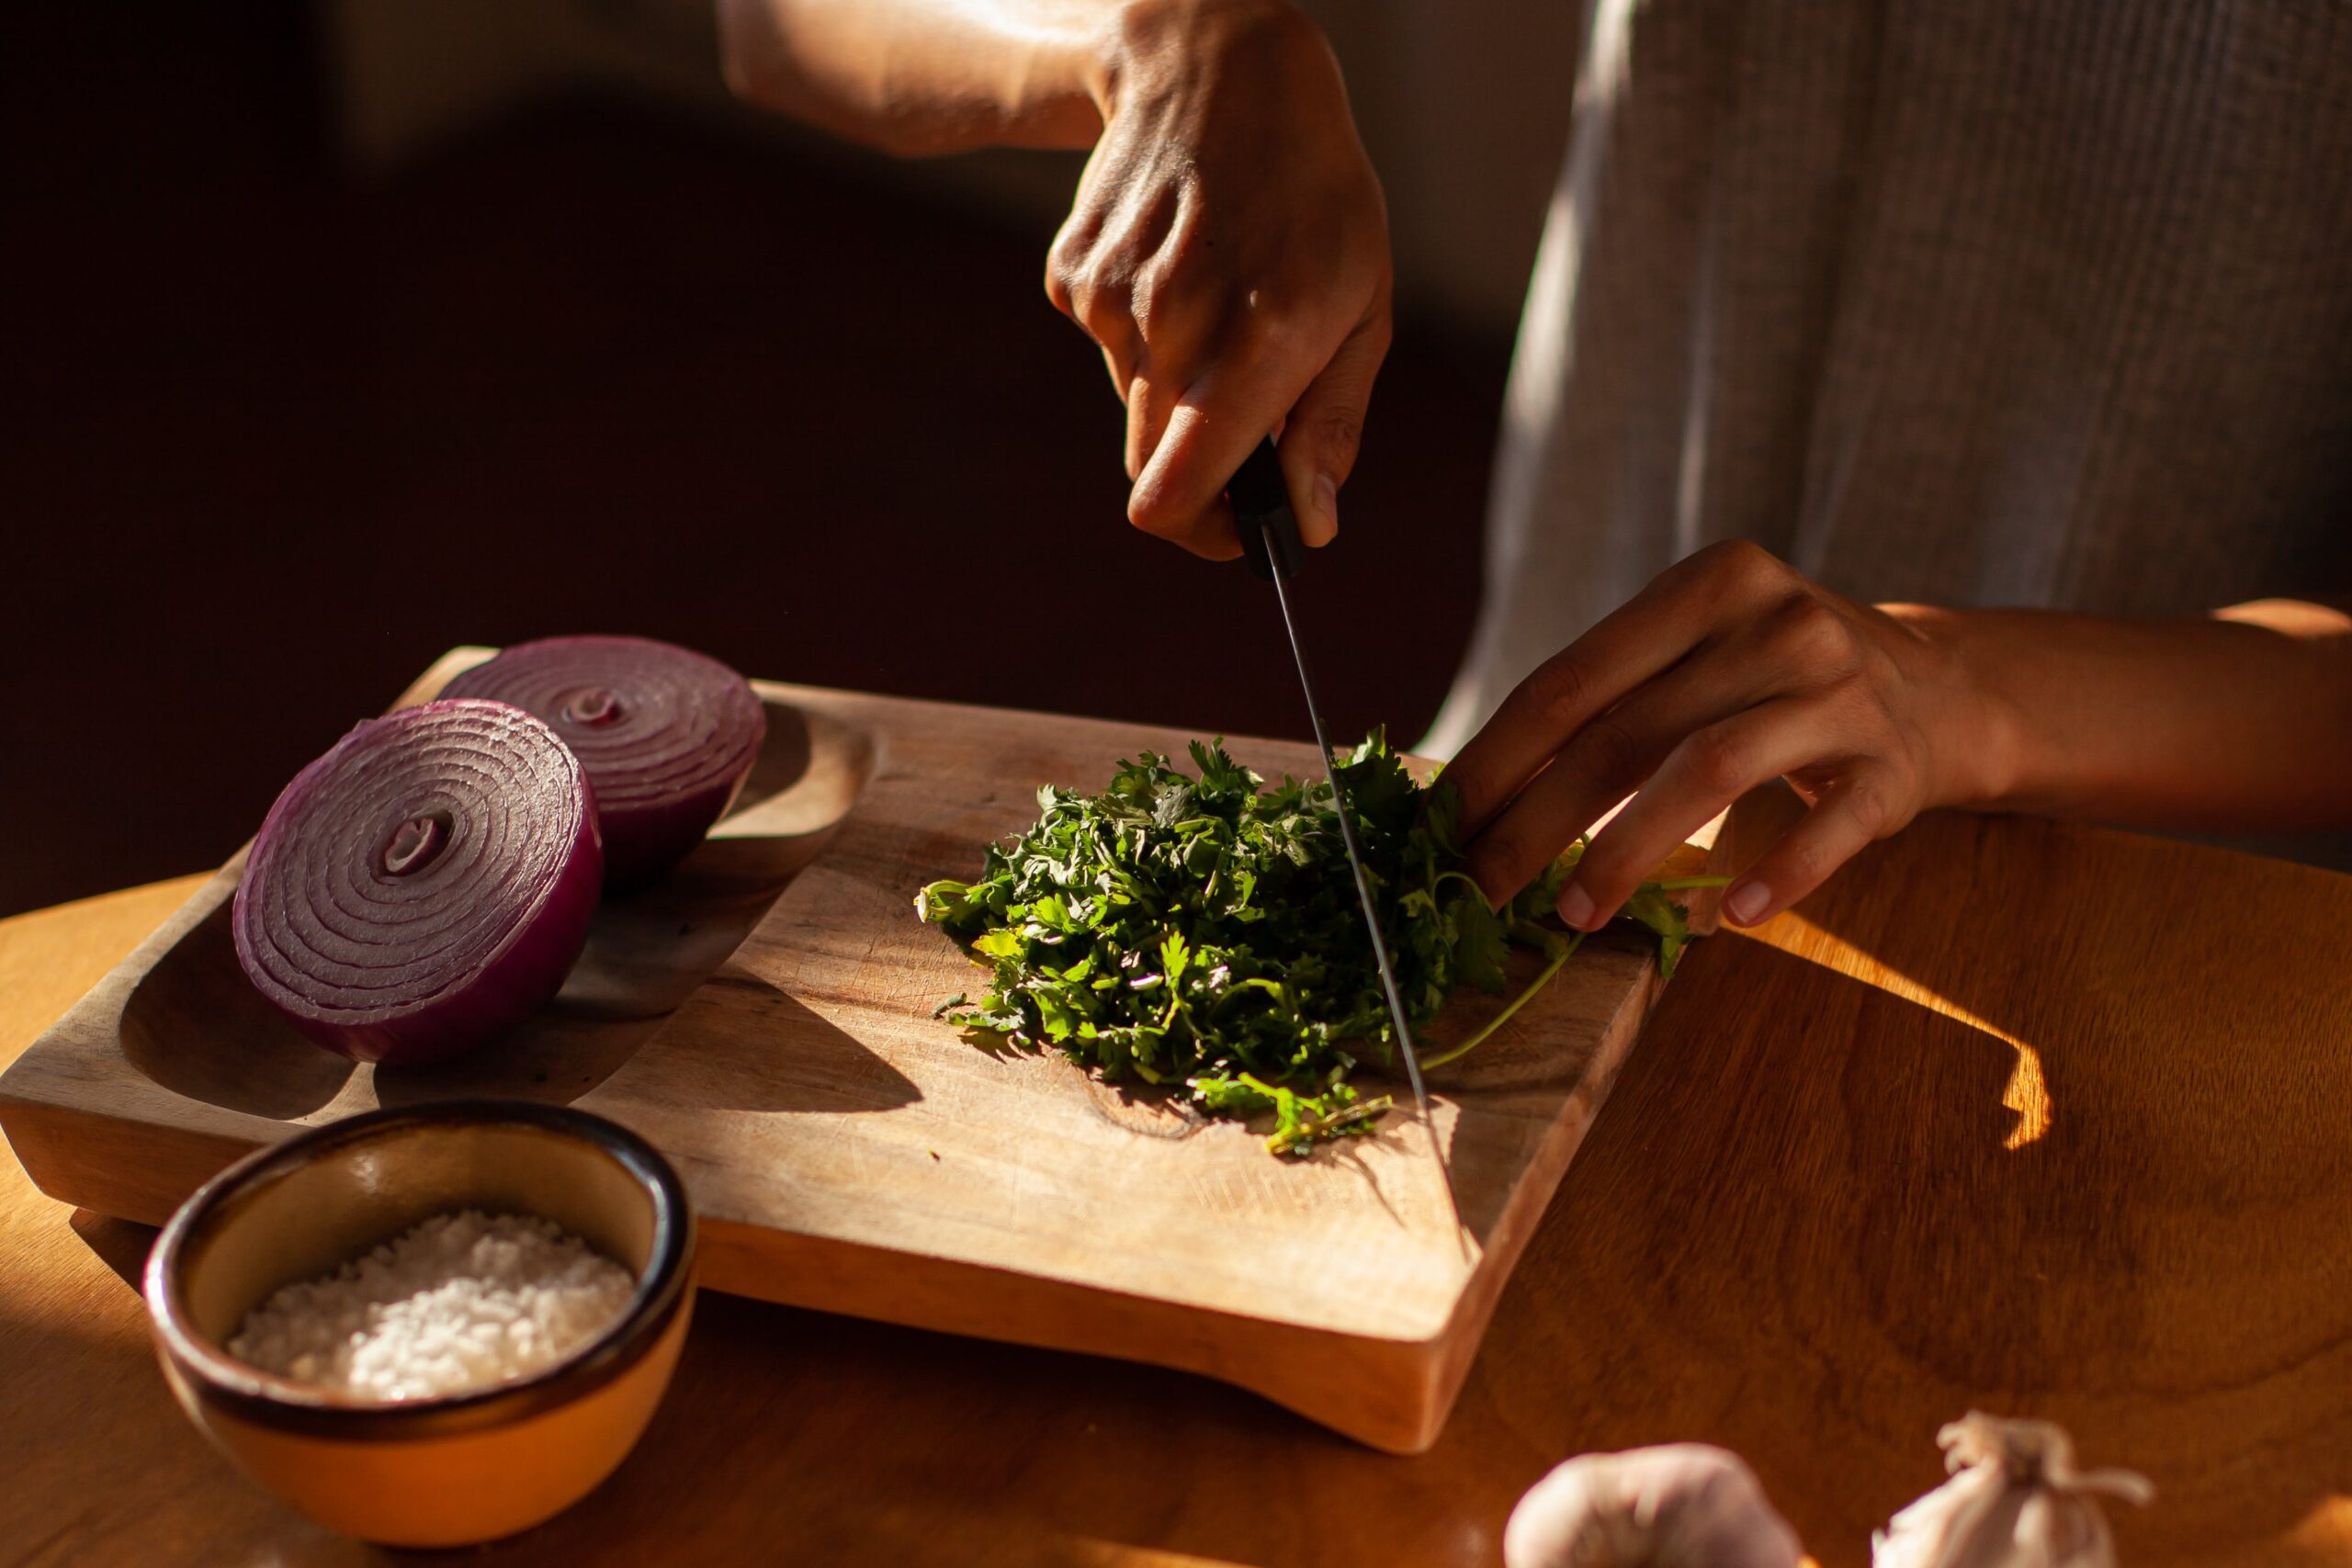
286 1404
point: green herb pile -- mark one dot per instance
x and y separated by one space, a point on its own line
1205 932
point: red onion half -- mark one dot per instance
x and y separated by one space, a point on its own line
667 736
424 885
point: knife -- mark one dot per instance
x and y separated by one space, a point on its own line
1270 542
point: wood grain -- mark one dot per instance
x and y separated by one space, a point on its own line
847 1151
1810 1224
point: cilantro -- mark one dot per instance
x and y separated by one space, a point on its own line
1665 917
1205 931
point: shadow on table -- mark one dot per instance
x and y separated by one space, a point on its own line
118 1244
1799 1229
1814 1245
1805 1244
845 1440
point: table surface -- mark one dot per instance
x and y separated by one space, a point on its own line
2013 1116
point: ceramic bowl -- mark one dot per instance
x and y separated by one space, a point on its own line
456 1468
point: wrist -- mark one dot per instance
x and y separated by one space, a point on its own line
1149 41
1980 745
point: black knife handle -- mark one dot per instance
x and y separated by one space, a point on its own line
1261 512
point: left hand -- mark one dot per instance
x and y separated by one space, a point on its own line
1731 668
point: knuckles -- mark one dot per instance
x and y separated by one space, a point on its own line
1807 621
1503 860
1558 692
1805 635
1736 572
1143 268
1096 303
1803 863
1339 431
1160 300
1716 761
1067 258
1156 510
1870 802
1608 751
1061 282
1742 561
1154 514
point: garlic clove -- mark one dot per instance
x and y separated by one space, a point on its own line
2015 1500
1680 1506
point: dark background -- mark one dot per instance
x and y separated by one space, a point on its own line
278 431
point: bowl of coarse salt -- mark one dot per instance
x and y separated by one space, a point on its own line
430 1325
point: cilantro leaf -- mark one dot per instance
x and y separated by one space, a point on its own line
1480 942
1653 908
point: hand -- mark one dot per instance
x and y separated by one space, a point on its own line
1228 249
1729 669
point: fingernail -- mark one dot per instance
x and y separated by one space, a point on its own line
1746 902
1576 907
1327 507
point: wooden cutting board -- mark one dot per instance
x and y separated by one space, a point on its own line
765 1017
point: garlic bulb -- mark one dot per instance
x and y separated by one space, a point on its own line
1683 1505
2015 1500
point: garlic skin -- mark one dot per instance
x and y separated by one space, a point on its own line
1682 1506
2015 1500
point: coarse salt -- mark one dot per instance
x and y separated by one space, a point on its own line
461 1302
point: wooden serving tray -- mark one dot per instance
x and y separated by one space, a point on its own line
764 1016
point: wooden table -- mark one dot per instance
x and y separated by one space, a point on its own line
2028 1117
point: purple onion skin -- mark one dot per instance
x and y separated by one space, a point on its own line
333 822
667 735
652 839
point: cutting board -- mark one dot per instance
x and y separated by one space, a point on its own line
764 1016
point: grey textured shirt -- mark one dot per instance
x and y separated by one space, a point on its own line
1967 303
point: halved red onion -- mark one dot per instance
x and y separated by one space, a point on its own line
424 885
667 735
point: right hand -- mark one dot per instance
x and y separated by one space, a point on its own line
1228 251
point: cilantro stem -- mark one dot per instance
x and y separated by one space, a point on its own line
1681 884
1314 1128
1567 950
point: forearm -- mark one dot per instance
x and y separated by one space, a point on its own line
923 76
2238 720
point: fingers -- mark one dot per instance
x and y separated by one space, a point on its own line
1095 276
1221 417
1657 626
1175 313
1847 816
1151 401
1201 396
1705 772
1215 336
1185 450
1100 311
1131 273
1326 427
1607 761
1727 671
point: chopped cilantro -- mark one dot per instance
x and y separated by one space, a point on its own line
1205 931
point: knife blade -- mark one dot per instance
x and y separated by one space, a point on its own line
1270 542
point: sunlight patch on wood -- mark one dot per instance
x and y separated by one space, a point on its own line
2027 1093
2327 1529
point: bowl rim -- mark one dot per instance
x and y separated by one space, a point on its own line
267 1399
